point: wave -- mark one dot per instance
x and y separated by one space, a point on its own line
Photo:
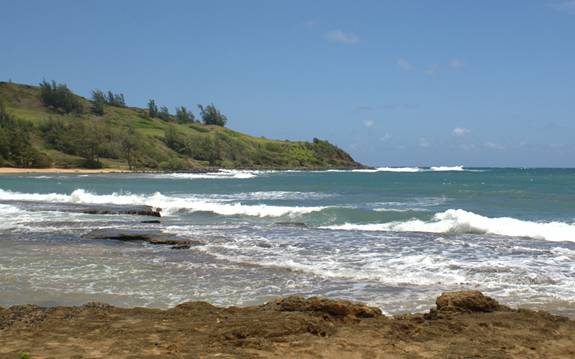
221 174
447 169
460 221
405 169
389 169
270 195
169 204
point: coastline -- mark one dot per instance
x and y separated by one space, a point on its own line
51 170
77 170
463 324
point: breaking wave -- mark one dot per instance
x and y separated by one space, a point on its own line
447 169
460 221
221 174
168 204
406 169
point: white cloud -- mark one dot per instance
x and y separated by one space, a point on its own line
494 146
424 143
368 123
456 63
348 38
386 137
567 6
460 131
404 64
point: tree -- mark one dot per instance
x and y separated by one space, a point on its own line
59 97
175 140
115 99
183 115
98 102
15 146
130 144
152 108
164 113
212 116
89 140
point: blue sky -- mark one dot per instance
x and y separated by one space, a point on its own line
460 82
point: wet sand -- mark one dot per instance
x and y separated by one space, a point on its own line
464 325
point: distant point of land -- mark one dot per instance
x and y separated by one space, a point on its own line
48 126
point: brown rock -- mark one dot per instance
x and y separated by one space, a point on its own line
336 308
466 301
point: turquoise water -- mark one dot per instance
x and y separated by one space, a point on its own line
394 238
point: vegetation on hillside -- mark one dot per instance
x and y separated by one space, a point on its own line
48 125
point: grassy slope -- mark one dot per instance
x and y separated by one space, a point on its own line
233 149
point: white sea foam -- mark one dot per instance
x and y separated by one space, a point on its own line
168 204
406 169
408 209
222 174
7 211
447 169
390 169
269 195
460 221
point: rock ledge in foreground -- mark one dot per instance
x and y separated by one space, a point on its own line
336 308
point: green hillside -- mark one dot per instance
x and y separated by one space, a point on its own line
77 132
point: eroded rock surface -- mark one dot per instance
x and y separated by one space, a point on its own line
467 301
292 327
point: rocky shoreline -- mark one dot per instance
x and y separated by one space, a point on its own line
463 325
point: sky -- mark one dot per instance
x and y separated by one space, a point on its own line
394 83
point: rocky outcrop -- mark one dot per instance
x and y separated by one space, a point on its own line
152 237
336 308
471 301
136 211
292 327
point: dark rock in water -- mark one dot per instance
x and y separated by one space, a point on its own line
336 308
152 237
467 301
292 224
137 211
155 221
87 208
181 246
123 235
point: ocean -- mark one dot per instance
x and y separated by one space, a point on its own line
391 237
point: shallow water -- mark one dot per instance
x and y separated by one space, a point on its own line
394 238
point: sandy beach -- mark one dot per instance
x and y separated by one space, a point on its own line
12 170
463 325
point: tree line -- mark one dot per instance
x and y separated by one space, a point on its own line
209 114
61 99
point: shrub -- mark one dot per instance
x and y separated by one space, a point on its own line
59 97
98 102
183 115
212 116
